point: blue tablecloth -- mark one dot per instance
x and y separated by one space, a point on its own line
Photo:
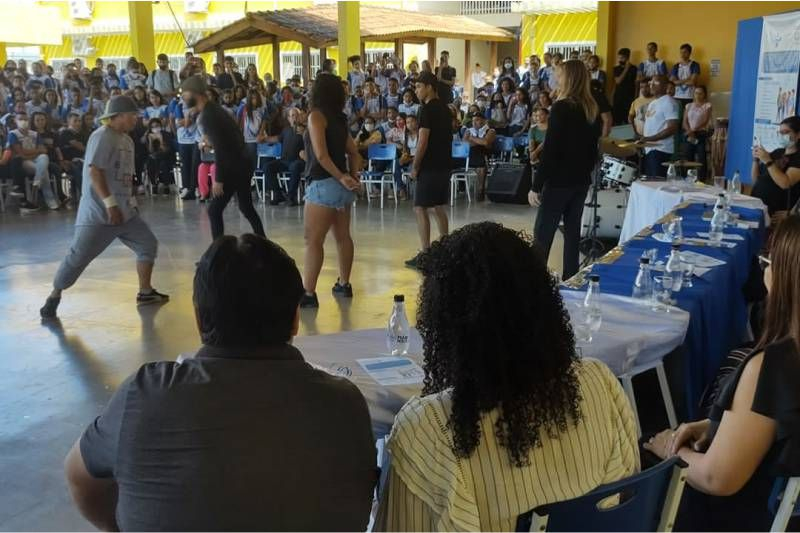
716 301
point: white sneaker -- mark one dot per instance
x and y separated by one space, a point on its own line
184 193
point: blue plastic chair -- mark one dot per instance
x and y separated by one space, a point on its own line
783 502
504 146
647 502
520 141
460 150
264 151
385 153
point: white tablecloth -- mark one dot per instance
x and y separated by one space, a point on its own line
631 335
649 201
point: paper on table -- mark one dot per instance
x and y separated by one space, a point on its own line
390 370
702 261
660 237
728 236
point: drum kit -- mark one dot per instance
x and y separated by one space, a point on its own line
607 199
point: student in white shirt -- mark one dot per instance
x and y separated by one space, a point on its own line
410 105
478 80
660 126
652 66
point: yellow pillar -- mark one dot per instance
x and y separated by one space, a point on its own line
605 35
526 36
3 54
142 34
349 33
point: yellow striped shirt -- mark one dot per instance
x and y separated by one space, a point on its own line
430 489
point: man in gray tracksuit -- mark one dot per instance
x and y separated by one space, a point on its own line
107 210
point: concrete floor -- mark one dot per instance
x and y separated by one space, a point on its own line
55 378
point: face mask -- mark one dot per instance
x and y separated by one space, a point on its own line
784 140
156 129
508 65
369 127
22 124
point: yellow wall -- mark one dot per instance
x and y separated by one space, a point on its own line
172 43
567 27
710 27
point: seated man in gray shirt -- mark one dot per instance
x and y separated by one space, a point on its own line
246 435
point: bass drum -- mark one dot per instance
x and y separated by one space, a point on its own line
611 205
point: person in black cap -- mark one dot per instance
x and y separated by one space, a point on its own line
234 166
107 210
432 162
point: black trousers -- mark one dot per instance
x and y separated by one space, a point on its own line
557 203
241 189
295 170
190 160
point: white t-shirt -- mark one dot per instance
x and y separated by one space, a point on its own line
478 79
659 111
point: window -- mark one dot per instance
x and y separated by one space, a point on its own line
375 54
28 53
121 62
486 7
564 48
242 60
292 64
176 63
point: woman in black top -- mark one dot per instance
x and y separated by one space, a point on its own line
567 159
776 175
332 166
753 432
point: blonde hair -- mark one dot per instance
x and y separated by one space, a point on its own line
574 84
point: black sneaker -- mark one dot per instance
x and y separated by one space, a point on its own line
294 203
153 297
345 291
26 207
49 308
309 301
413 262
278 200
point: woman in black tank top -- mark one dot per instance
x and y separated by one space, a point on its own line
332 166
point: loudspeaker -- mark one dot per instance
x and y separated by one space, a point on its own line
509 184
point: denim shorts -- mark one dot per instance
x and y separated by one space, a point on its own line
328 192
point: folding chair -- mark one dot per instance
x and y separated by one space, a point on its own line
504 147
647 502
520 143
460 150
783 502
380 152
5 188
264 151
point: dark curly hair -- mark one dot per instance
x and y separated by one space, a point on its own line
495 331
327 94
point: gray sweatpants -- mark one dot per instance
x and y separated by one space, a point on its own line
90 241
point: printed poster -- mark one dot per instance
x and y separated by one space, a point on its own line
778 68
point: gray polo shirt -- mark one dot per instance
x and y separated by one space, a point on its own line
164 81
112 153
247 439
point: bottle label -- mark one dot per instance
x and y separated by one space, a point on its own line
402 339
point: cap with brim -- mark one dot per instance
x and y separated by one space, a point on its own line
119 104
195 84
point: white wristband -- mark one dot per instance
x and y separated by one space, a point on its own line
110 202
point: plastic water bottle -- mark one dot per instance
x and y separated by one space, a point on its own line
722 203
397 331
735 185
717 224
592 306
674 268
643 284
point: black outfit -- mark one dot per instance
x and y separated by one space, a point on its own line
74 156
446 91
624 93
335 140
433 180
226 81
291 145
234 168
251 439
563 178
765 188
161 161
777 397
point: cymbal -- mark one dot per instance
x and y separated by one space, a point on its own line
683 164
637 144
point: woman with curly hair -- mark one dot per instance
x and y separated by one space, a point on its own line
510 418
